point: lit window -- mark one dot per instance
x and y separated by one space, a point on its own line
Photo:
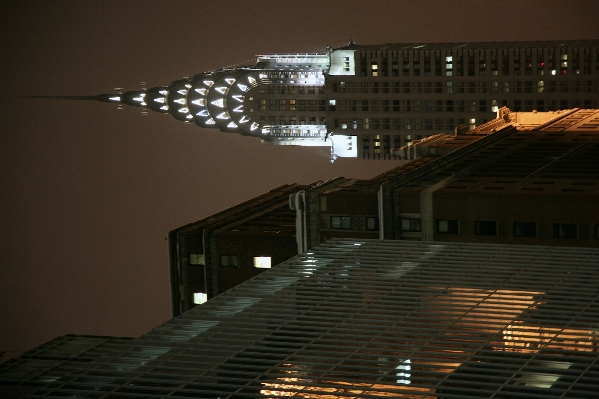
403 372
262 262
522 229
447 226
372 223
199 298
196 259
410 224
332 102
228 260
485 228
340 222
565 230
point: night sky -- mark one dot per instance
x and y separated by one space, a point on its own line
89 193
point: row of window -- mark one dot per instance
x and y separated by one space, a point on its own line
345 223
529 86
291 89
405 123
490 228
495 62
456 105
293 120
260 262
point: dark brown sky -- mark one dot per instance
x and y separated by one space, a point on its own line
89 193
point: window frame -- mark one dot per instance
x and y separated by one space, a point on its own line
339 220
375 219
559 233
526 225
453 226
414 225
479 230
228 262
196 259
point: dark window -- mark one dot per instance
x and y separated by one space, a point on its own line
565 230
372 223
485 228
447 226
228 260
410 224
524 229
340 222
597 231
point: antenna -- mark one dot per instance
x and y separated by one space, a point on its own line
119 90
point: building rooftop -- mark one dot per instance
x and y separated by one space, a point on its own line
374 318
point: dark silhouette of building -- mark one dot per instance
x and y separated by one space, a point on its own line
216 253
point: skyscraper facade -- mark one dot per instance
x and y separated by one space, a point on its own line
364 100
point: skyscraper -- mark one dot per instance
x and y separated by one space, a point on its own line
364 100
366 319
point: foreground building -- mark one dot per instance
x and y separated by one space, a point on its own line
372 318
528 178
364 100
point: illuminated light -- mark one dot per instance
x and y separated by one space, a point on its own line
254 126
189 116
230 80
238 98
199 298
203 113
182 92
140 99
221 89
183 110
143 103
263 76
244 119
188 85
208 83
163 92
219 103
180 101
199 102
232 125
159 100
115 98
553 71
222 115
210 122
201 91
405 375
238 109
242 87
164 107
251 80
262 262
